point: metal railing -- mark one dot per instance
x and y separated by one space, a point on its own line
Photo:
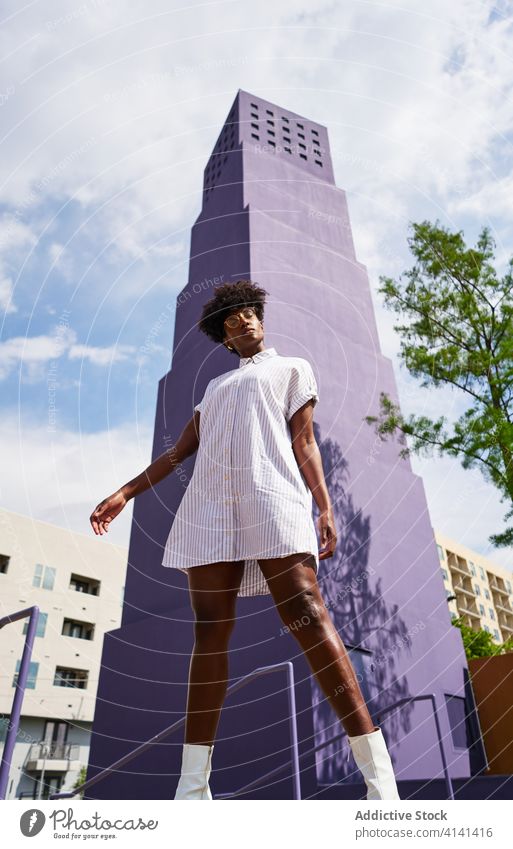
287 666
21 683
315 749
53 751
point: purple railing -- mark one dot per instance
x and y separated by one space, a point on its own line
262 670
19 692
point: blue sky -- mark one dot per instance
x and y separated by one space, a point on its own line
108 112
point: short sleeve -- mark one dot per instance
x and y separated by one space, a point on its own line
302 387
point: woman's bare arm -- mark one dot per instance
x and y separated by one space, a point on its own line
186 445
110 507
309 460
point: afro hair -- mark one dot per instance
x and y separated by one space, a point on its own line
229 296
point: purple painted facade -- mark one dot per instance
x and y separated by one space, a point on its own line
274 214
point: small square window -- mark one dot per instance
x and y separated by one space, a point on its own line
253 115
254 126
300 126
317 152
300 135
315 132
269 111
487 594
284 119
287 149
445 575
270 141
254 136
31 677
477 589
303 155
491 612
271 133
286 140
481 609
253 105
4 563
318 162
270 122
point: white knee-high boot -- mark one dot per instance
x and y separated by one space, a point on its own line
196 767
372 758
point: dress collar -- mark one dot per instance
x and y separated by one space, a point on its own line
260 355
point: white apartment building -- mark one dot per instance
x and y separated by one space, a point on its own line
483 590
77 581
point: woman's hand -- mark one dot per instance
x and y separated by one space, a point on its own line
106 511
326 523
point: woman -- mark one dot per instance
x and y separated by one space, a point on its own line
244 527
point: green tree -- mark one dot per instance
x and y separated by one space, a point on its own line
480 643
458 333
81 777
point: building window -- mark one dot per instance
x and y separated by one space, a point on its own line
271 133
481 609
448 593
253 136
457 721
486 628
4 563
302 146
491 611
270 141
481 572
317 152
496 634
303 155
253 105
477 589
82 584
253 115
31 677
440 552
70 678
80 630
318 162
315 133
287 149
487 594
472 568
44 577
300 135
283 118
269 121
300 126
41 625
254 126
269 111
444 573
65 677
508 586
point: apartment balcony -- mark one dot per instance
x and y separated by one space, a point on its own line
506 628
52 756
459 566
469 612
504 608
459 588
498 589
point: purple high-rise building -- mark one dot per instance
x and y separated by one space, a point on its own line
271 212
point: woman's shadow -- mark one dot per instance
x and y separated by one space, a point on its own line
371 629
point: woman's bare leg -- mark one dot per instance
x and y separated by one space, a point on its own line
293 585
213 591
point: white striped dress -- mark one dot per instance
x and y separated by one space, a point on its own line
247 498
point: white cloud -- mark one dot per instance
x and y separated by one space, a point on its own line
56 476
6 292
101 356
35 353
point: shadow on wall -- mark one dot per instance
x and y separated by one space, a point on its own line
362 617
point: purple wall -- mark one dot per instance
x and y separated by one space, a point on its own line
278 218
